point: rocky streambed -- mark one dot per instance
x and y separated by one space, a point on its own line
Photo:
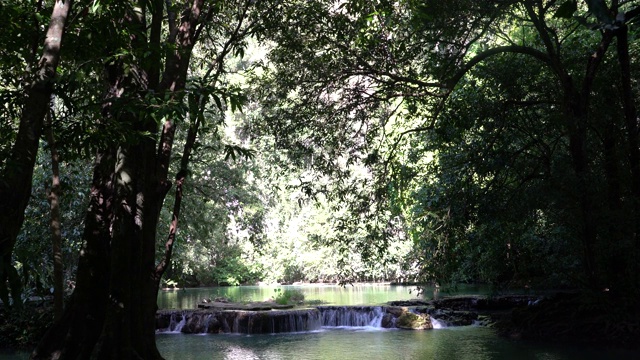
268 318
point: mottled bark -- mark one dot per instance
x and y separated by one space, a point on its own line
55 223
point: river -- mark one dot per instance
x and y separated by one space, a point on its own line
468 342
370 343
358 294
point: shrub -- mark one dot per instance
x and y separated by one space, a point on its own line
288 296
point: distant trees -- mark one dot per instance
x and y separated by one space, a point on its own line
501 134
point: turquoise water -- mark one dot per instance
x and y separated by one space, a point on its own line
357 294
470 342
459 343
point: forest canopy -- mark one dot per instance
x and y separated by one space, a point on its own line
151 143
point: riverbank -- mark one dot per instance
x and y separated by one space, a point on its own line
602 320
575 318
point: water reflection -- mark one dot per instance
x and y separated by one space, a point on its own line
357 294
447 344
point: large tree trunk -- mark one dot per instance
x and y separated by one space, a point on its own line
134 180
15 182
576 109
74 336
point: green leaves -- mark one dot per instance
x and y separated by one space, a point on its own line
235 151
218 102
237 99
567 9
95 7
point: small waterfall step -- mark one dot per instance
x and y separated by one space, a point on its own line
215 320
354 316
237 321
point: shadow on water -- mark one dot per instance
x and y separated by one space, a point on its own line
461 343
469 342
365 343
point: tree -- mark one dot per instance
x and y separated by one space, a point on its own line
575 98
428 66
15 184
56 232
151 51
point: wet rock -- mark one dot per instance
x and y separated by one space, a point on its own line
482 303
228 319
411 321
396 311
407 303
457 303
162 321
506 302
256 306
198 323
238 321
455 318
388 321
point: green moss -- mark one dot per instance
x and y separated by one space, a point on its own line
414 321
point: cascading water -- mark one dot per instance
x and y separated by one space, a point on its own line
175 325
437 324
280 321
343 316
277 322
207 321
239 322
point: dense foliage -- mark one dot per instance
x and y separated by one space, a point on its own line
233 142
493 130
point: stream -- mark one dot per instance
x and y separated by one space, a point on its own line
369 342
469 342
366 342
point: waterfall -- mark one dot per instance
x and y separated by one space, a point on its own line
437 324
207 321
176 326
281 321
239 322
350 316
294 321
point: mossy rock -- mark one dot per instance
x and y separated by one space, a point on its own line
396 311
413 321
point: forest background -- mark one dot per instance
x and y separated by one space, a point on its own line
190 143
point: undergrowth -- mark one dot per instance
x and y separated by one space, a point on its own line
22 329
